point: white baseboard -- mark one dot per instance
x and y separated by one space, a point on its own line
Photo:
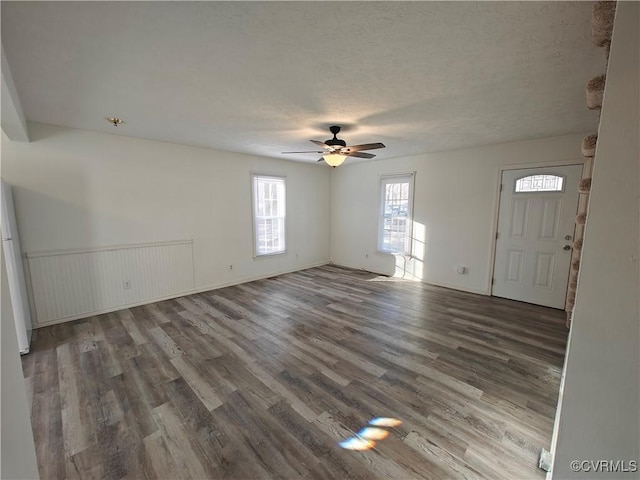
239 281
359 267
459 288
435 284
253 278
178 295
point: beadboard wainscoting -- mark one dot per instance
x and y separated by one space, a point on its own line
69 284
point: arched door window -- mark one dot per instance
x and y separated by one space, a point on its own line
540 183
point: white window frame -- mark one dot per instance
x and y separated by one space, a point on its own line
282 214
384 181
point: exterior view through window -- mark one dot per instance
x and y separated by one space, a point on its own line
395 220
269 214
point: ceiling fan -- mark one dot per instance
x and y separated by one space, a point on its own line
335 151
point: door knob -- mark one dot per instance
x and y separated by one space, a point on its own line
567 247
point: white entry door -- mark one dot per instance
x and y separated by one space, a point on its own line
535 234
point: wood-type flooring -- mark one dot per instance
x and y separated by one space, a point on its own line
262 380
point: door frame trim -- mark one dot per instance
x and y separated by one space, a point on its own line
498 194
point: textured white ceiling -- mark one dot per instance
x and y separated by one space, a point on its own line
265 77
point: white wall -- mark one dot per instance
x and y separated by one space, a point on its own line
454 208
76 189
600 410
17 450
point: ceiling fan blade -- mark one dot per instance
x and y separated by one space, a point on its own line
365 146
321 159
307 151
320 143
359 154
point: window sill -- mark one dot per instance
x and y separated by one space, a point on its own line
395 254
268 255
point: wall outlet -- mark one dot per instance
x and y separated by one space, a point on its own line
126 284
461 270
366 255
230 267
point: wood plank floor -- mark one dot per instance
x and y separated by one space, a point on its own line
262 380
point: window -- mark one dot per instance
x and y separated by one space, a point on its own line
539 183
396 204
269 214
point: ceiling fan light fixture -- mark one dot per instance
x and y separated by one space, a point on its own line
335 151
334 159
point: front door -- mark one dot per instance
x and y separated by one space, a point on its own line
535 234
